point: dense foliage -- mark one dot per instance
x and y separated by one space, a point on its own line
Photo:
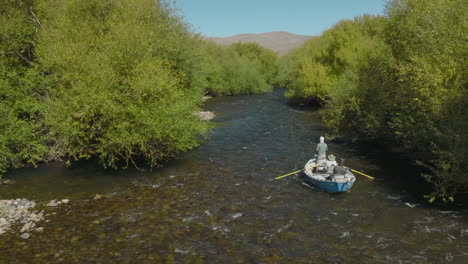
21 140
116 80
242 68
311 71
113 80
400 79
124 80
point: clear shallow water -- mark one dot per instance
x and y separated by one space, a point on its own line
220 204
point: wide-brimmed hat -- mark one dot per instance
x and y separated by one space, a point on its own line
331 157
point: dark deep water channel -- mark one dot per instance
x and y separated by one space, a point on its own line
220 204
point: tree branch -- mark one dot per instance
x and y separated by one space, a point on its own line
35 18
28 61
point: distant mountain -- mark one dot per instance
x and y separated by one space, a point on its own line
280 42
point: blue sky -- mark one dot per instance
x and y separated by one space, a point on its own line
222 18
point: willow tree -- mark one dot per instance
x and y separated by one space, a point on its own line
123 78
21 140
263 58
242 68
409 89
428 40
312 71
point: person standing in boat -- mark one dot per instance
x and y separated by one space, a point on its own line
322 149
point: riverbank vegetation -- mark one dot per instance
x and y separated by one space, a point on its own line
400 79
122 82
241 68
117 81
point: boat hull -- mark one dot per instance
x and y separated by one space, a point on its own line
323 181
329 186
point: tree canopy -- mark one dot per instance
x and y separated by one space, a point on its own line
119 81
400 79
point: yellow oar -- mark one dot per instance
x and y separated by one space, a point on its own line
370 177
282 176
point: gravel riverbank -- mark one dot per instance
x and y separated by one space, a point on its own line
22 212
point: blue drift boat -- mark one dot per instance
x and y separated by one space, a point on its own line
323 178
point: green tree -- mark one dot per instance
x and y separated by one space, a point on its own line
311 72
124 80
428 40
263 58
408 90
238 69
399 79
21 140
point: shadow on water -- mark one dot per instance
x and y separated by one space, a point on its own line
220 203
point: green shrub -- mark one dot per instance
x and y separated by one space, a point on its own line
124 80
21 136
400 80
311 72
238 69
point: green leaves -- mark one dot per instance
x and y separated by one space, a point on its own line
242 68
21 140
125 82
115 80
312 71
399 79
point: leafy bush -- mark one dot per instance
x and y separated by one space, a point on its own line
311 72
263 58
428 40
21 140
400 80
124 80
238 69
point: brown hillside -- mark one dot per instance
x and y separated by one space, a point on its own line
280 42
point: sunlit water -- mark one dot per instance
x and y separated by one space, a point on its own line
220 203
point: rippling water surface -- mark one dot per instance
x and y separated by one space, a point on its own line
220 203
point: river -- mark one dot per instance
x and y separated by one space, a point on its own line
220 203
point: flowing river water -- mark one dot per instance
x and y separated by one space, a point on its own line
220 203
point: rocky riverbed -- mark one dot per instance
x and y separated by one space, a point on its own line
22 214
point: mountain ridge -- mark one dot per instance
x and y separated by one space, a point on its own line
280 42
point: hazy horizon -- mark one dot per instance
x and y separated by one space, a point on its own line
259 33
214 18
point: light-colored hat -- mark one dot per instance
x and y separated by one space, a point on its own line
331 157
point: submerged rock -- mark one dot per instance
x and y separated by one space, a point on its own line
345 234
410 205
206 97
206 115
52 203
235 216
27 227
7 182
180 251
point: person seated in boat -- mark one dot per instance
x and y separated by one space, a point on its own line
322 149
340 169
331 161
331 169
